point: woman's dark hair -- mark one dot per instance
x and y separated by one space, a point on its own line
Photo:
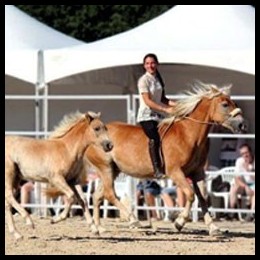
154 56
150 55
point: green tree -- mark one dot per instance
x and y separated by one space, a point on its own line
93 22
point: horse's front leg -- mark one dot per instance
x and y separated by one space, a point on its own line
98 198
182 218
84 205
199 188
10 202
60 183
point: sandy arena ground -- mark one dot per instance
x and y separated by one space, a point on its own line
73 237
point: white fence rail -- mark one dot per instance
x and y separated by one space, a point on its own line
131 194
131 110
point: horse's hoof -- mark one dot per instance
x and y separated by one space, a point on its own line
101 230
135 224
178 226
215 232
18 237
94 229
53 221
30 224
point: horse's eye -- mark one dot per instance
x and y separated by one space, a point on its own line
225 104
97 129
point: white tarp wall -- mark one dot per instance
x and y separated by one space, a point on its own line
25 39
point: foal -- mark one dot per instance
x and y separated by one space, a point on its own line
57 160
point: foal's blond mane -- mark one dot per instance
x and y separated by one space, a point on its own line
199 90
67 123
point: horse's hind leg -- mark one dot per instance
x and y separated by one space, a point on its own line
11 201
198 188
11 182
133 221
83 203
108 192
10 221
60 183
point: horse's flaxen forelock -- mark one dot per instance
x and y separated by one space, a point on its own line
198 91
66 124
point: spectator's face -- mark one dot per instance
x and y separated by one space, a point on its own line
245 153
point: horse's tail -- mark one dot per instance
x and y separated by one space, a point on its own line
52 192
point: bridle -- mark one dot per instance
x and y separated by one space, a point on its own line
232 114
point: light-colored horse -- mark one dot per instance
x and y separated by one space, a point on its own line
184 147
57 160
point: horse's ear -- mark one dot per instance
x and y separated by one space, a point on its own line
226 90
214 89
90 115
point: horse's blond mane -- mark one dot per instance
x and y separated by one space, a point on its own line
66 124
198 91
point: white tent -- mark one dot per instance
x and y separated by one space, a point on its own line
25 41
24 38
219 36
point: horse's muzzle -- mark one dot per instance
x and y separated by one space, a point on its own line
107 146
238 124
242 127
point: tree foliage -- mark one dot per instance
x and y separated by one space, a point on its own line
93 22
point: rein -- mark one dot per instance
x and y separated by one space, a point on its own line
190 118
199 121
233 113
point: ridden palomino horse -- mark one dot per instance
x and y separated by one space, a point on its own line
184 147
57 160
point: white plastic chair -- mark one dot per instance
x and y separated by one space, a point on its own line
227 174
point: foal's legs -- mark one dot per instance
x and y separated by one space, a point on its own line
83 203
10 221
10 201
98 198
198 188
60 183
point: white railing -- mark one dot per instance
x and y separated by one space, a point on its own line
130 191
131 110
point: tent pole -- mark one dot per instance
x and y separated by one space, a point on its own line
37 111
41 125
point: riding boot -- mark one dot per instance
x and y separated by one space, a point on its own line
156 159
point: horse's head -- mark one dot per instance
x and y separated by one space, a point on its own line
98 131
210 100
226 113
